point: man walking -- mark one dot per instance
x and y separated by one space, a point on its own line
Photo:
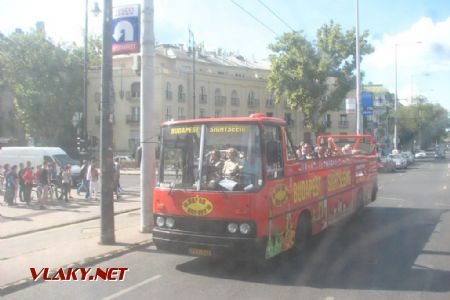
44 180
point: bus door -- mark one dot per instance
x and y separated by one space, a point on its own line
280 231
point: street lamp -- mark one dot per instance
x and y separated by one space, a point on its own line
96 11
396 91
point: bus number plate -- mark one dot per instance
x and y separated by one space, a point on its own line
200 252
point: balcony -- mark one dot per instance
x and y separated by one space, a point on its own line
133 119
343 124
220 100
133 96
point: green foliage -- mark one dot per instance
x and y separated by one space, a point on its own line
315 76
424 122
46 80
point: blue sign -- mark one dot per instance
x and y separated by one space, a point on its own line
367 103
125 27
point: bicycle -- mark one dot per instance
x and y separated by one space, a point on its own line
52 190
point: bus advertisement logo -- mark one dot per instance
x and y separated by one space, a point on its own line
197 206
279 195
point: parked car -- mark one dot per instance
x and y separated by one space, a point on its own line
439 155
400 161
123 158
385 164
420 154
409 157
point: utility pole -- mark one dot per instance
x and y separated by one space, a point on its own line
193 72
358 76
106 152
149 118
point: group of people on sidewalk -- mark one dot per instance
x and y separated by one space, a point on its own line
17 181
90 176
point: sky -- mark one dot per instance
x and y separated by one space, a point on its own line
419 28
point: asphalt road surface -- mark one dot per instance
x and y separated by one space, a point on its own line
398 248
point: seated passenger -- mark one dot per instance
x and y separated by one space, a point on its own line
347 149
320 152
214 168
306 152
231 165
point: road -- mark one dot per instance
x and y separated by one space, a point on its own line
398 248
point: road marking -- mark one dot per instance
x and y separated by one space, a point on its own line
133 287
391 198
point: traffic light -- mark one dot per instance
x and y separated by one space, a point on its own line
81 146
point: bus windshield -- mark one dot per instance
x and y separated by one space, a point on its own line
213 156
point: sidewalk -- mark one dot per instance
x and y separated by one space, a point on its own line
62 235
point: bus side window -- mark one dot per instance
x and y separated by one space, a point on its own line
273 151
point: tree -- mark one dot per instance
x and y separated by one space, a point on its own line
422 122
46 80
315 76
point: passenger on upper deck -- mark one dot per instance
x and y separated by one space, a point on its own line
306 152
320 151
347 149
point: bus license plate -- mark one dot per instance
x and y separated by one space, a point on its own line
200 252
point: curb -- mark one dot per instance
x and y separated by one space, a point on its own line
87 262
63 224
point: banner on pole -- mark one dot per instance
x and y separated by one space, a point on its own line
350 105
126 29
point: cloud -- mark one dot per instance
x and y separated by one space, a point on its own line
423 61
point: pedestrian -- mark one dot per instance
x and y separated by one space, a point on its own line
21 182
94 177
88 179
28 182
2 179
116 178
66 182
11 183
44 181
82 186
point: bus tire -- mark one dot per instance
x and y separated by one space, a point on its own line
374 192
303 232
359 201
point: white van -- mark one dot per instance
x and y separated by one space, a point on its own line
37 155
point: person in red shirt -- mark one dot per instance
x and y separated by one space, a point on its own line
27 178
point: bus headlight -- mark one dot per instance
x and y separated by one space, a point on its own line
160 221
232 227
245 228
170 222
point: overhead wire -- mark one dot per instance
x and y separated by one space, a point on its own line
276 15
254 17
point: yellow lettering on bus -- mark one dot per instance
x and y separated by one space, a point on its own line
183 130
306 189
339 179
228 129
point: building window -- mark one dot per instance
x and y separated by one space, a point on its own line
343 121
181 94
202 113
203 96
234 98
269 114
168 91
218 98
217 113
168 113
234 113
135 90
181 115
251 100
327 121
269 102
307 138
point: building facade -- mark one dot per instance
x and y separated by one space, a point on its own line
225 86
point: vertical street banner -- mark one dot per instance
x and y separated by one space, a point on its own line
367 103
125 28
350 106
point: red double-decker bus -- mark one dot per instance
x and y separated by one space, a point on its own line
237 186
